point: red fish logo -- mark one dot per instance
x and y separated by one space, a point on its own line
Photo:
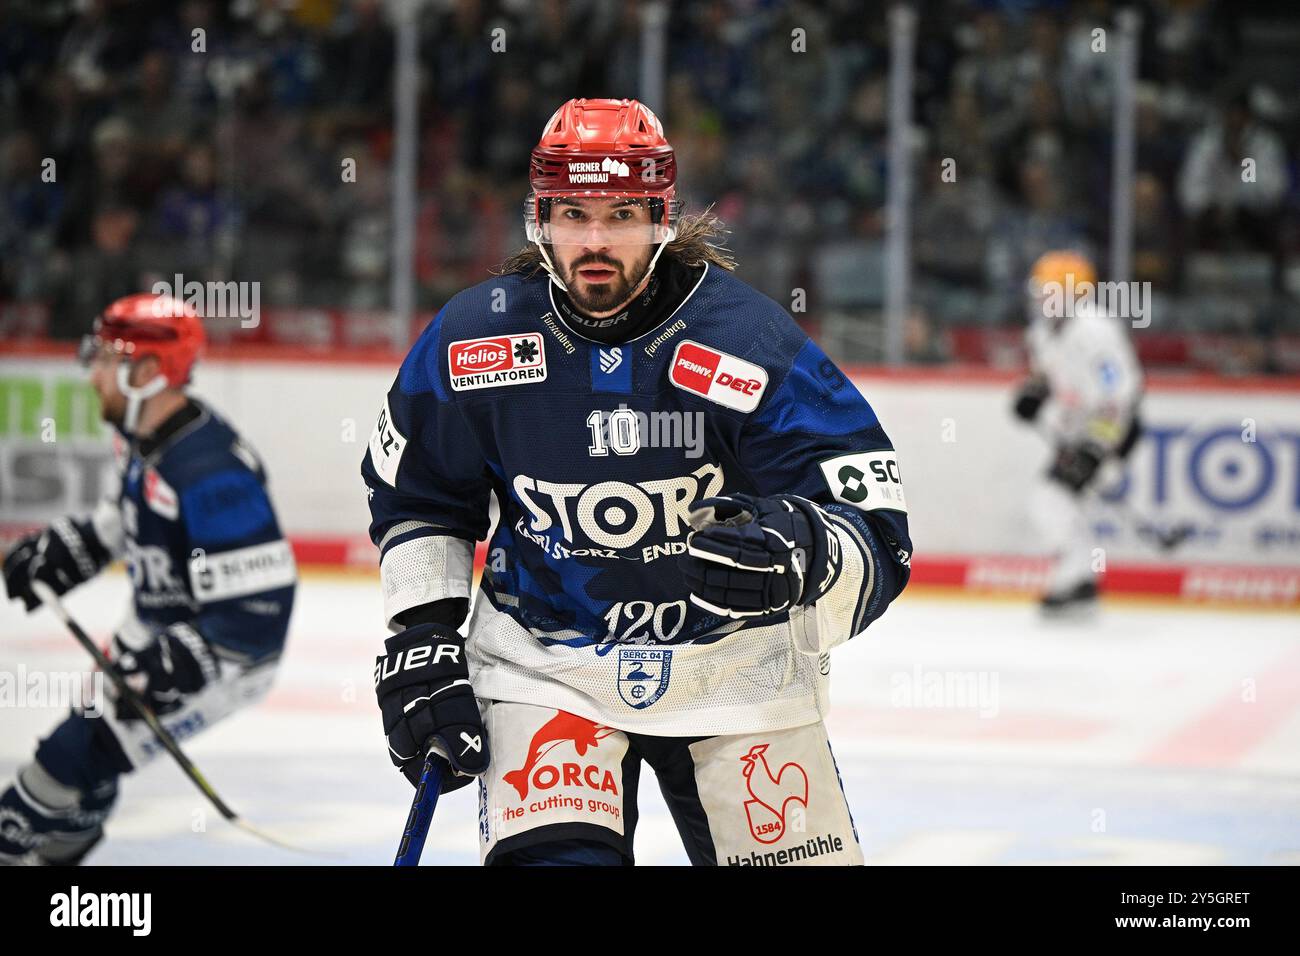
771 793
562 728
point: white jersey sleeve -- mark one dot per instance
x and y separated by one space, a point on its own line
1094 376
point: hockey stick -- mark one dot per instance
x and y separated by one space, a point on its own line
422 807
128 694
1168 539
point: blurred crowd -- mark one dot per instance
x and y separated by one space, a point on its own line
251 140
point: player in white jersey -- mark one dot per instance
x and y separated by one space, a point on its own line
1083 390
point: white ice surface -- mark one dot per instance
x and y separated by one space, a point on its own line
1154 734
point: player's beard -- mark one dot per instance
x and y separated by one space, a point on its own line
594 298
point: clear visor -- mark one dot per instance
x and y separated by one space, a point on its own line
600 222
94 349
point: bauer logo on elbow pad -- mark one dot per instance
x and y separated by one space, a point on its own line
868 480
386 446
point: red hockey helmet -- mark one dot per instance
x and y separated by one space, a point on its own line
602 148
622 138
150 324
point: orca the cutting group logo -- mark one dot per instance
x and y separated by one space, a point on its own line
643 675
543 773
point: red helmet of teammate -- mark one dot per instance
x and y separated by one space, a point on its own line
150 324
597 147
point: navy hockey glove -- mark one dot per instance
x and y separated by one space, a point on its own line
1030 398
164 671
64 555
749 557
1076 465
426 699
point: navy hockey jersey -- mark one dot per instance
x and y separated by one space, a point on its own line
194 523
594 454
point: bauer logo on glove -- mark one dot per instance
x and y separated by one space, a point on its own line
753 557
422 684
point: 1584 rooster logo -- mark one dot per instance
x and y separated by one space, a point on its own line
771 794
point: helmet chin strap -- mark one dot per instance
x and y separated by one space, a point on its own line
535 235
549 266
136 397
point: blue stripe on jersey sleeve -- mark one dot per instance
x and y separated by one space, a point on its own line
227 507
815 397
420 371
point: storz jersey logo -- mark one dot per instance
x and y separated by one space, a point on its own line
719 377
867 480
643 675
386 446
502 360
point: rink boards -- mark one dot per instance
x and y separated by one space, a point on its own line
1221 457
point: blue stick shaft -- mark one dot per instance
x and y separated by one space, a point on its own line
422 807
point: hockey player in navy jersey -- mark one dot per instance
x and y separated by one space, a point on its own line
694 507
212 579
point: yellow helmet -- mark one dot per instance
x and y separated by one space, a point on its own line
1058 266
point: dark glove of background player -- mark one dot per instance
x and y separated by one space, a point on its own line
1033 392
424 694
1076 465
64 555
749 557
177 664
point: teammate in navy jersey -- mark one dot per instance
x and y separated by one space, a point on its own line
694 507
212 579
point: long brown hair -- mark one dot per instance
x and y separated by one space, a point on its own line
700 239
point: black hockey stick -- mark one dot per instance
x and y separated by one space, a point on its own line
137 703
1167 539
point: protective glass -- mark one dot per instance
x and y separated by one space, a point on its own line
596 222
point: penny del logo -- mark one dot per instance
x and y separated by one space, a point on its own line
717 376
